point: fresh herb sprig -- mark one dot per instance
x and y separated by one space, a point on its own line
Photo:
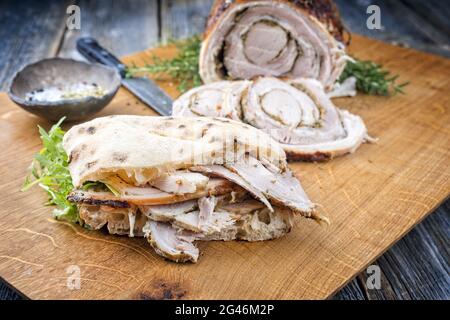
49 170
183 67
372 79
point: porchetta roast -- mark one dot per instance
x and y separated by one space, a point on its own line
284 38
297 113
179 180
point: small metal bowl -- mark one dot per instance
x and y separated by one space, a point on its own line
58 72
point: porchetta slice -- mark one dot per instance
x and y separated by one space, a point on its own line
192 216
170 242
210 101
146 195
177 244
258 203
174 239
173 228
281 187
292 39
223 172
300 115
120 221
166 212
297 113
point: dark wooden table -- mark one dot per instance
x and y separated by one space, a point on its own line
417 267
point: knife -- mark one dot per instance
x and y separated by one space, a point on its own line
143 88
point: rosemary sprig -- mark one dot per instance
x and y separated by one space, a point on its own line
184 67
372 79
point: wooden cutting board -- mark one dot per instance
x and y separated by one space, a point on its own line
373 197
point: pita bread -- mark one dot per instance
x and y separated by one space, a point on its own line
145 146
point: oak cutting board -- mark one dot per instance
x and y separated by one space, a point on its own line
373 197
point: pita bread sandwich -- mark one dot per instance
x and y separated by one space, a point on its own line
179 180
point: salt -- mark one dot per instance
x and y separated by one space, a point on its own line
68 92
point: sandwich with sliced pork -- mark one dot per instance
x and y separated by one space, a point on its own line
181 180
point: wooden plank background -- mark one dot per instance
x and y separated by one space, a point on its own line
394 184
417 266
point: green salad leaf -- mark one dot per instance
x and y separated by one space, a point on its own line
49 170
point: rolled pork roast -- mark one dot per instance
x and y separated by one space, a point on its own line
286 38
296 113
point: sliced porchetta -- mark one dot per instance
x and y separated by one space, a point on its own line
170 242
300 115
120 221
216 100
177 244
166 212
244 39
197 216
225 218
297 113
264 183
146 195
280 187
223 172
206 206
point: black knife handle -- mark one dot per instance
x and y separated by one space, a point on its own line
94 52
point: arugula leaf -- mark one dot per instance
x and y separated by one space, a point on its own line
100 186
93 185
49 170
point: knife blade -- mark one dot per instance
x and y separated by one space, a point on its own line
143 88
